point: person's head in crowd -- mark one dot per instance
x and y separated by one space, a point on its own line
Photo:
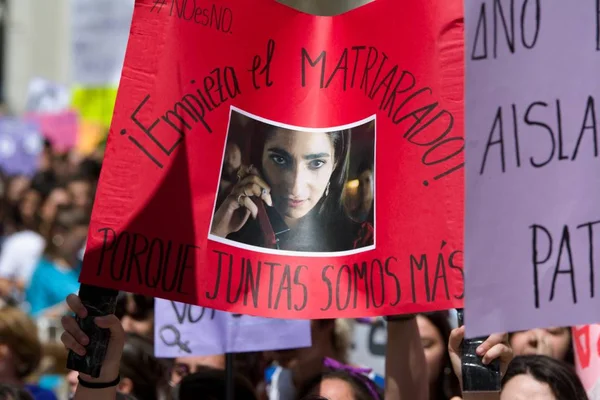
434 329
136 313
552 342
16 187
12 392
61 166
46 156
28 209
90 169
67 235
232 161
541 377
142 375
330 338
211 384
185 366
20 348
44 182
58 197
81 190
340 384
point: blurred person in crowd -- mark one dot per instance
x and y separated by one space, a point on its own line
403 374
331 338
57 273
11 392
541 377
136 313
81 189
551 342
45 157
340 383
60 165
16 187
20 351
90 169
184 366
211 383
249 365
58 197
434 330
20 252
142 375
28 208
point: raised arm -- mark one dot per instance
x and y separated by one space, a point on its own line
105 386
405 365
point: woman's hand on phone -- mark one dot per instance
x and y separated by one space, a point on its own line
495 346
235 210
75 339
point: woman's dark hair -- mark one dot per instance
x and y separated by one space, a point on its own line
560 376
358 383
148 374
10 392
210 383
448 385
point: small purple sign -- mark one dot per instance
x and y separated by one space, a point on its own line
20 146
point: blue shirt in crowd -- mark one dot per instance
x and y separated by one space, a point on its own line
50 285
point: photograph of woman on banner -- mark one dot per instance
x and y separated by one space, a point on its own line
289 192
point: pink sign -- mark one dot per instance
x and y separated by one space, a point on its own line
586 341
60 128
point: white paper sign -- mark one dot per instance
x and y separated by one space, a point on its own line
44 96
186 330
368 346
100 30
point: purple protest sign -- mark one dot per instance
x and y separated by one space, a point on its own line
185 330
20 146
533 173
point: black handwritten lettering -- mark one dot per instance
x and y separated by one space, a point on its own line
568 259
259 69
413 109
219 18
329 285
553 145
297 282
129 251
420 265
503 18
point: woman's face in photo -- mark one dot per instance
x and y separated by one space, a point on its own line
298 167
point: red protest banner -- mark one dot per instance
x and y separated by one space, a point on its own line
586 342
266 161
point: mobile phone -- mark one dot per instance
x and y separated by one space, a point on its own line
98 302
271 224
476 376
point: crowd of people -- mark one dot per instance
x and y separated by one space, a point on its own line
43 227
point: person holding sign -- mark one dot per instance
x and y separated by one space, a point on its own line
293 192
335 382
